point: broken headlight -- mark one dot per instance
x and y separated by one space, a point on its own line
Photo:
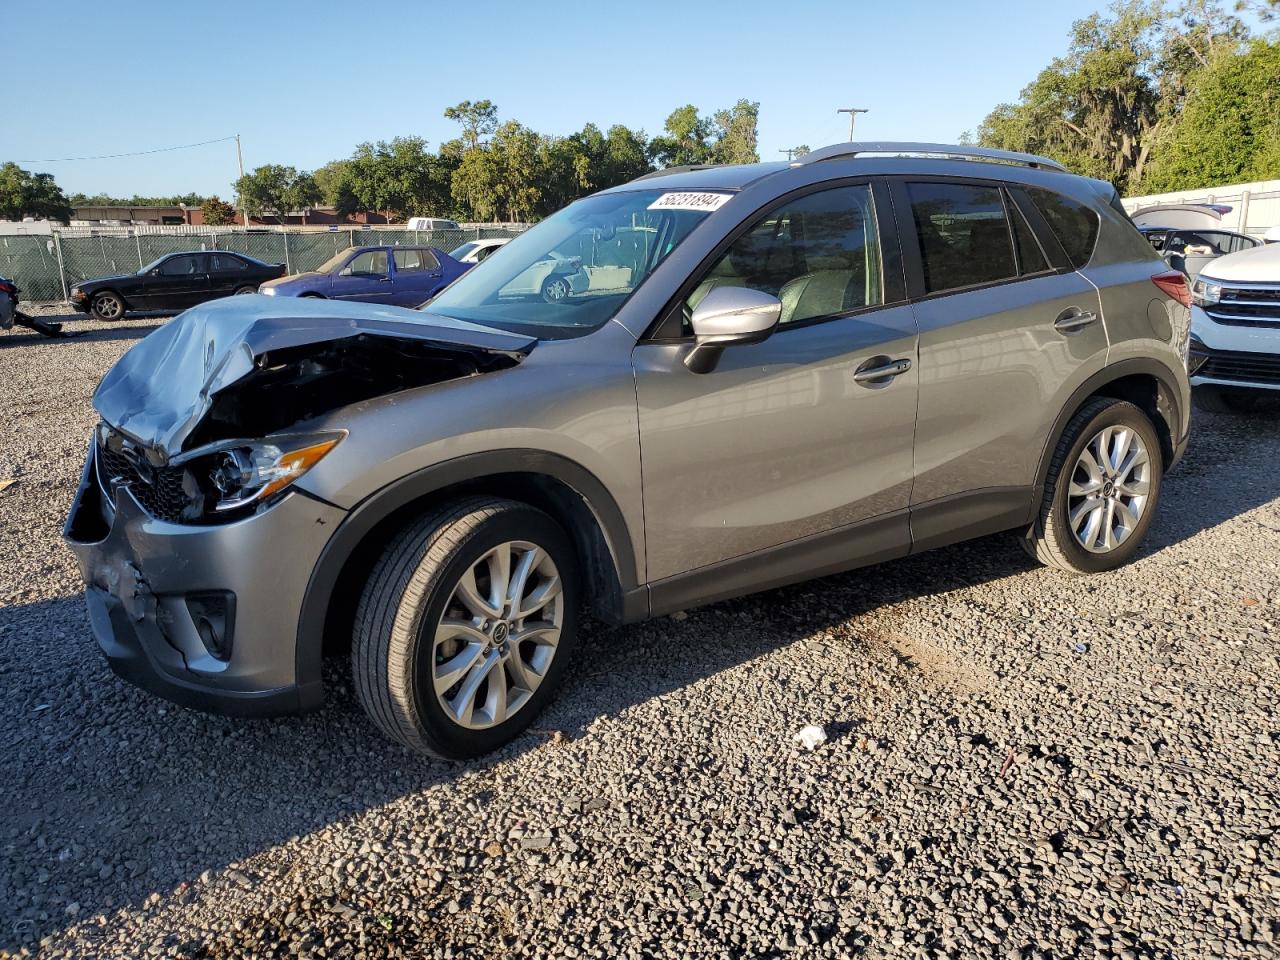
248 473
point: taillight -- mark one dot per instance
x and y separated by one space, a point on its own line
1174 283
8 288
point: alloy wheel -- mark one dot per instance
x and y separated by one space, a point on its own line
1109 489
498 635
108 307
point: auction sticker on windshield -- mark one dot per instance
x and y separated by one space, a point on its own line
691 201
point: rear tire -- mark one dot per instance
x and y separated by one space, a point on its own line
1226 400
450 655
1102 489
108 306
243 291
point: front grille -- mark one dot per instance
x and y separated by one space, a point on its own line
160 491
1246 367
1247 307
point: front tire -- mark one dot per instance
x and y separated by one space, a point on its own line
245 291
1102 489
465 626
107 306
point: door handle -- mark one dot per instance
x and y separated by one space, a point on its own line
384 279
883 370
1074 321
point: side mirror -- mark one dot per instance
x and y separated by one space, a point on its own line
728 316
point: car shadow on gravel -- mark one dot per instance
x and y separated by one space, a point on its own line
112 794
102 334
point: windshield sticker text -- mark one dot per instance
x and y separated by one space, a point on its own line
706 202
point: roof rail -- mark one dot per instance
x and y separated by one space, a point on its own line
840 151
684 168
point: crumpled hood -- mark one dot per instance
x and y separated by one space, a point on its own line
159 391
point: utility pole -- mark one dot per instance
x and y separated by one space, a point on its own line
789 153
244 211
853 115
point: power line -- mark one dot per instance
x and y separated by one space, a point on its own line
138 153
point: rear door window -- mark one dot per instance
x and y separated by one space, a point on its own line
963 234
1073 223
225 263
413 261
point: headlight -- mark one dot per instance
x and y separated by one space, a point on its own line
77 293
1205 293
267 291
242 474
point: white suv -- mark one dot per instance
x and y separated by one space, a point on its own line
1235 330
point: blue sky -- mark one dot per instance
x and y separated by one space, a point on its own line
303 83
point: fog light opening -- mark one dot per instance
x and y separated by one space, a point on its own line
213 615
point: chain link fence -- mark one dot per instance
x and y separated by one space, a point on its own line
46 267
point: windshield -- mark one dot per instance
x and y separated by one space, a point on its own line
459 252
574 270
335 261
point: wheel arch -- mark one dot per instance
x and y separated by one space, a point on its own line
578 501
1147 384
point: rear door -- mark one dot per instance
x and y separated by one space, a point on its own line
227 274
1006 327
788 439
417 276
366 277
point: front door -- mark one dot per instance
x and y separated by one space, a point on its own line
786 439
179 282
365 277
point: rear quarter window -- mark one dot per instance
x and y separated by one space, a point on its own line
1073 223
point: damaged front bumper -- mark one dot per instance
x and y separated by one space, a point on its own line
205 616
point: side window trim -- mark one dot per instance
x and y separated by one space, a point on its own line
1049 242
667 328
1011 212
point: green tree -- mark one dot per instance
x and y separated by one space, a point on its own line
217 213
735 133
399 177
276 190
1109 107
1096 108
478 119
25 194
474 184
685 139
330 178
1229 128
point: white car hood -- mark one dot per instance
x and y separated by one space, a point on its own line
1258 265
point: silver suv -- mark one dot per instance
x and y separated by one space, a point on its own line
703 383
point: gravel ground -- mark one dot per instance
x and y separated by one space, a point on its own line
1018 764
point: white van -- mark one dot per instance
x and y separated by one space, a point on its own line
432 223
